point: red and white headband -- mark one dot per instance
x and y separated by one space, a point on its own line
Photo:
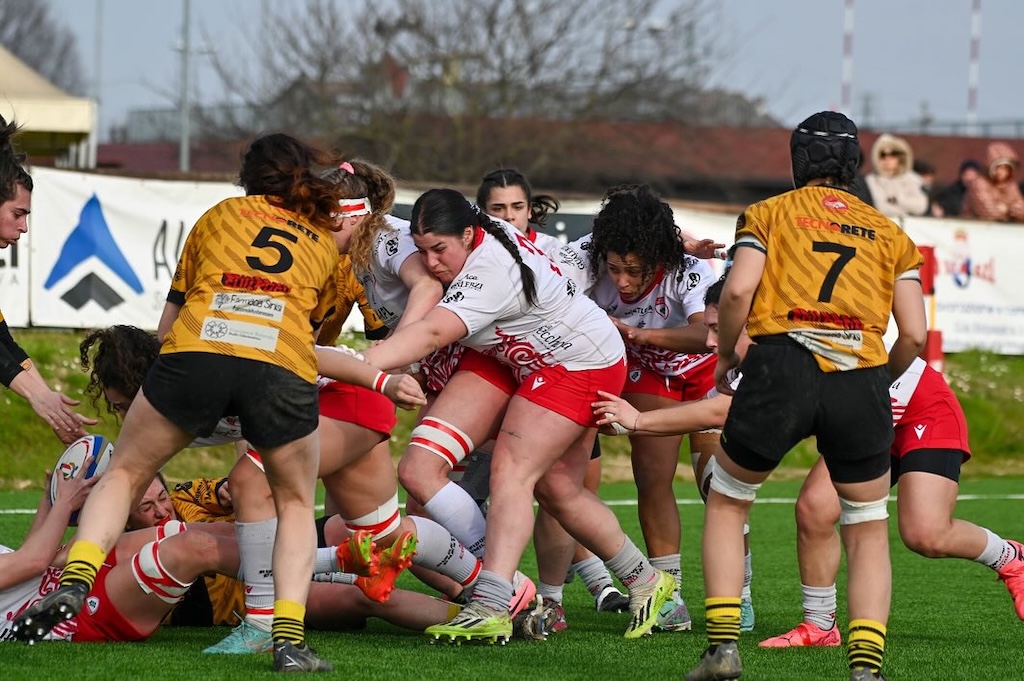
354 207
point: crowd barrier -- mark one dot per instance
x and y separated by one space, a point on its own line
101 250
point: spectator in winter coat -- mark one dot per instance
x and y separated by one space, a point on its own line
895 188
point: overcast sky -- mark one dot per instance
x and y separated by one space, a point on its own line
907 55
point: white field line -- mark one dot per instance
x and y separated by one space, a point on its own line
681 502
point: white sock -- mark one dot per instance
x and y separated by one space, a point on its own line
256 557
748 576
998 552
594 574
820 605
550 592
630 566
439 550
326 560
670 564
456 511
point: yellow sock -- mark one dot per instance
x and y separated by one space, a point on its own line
866 644
84 561
723 620
288 622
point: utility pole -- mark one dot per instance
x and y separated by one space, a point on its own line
972 68
97 82
186 52
847 80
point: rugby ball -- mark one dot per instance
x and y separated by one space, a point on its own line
71 462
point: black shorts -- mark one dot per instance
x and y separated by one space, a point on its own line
942 462
195 389
785 397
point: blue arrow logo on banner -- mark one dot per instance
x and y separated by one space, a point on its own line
92 237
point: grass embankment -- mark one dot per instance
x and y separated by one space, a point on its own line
990 387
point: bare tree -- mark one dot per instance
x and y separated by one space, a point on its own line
448 89
29 30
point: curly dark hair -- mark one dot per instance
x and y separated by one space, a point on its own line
12 170
634 220
117 357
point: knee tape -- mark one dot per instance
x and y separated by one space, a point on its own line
854 512
255 457
442 438
380 522
704 482
169 529
727 485
153 578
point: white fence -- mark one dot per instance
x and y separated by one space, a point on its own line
101 250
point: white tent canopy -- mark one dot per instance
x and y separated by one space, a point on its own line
53 123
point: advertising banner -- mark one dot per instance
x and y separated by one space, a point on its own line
101 250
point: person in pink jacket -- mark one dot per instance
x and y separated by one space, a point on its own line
997 196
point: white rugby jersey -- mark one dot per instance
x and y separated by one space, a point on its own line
545 242
904 387
227 431
385 290
668 302
15 599
561 329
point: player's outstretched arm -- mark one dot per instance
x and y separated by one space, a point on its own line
688 417
45 537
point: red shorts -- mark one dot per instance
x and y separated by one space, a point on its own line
440 365
571 393
693 385
491 370
99 620
933 420
358 405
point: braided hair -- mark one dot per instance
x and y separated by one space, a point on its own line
541 205
633 219
117 357
286 171
12 170
446 212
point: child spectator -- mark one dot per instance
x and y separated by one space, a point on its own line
997 196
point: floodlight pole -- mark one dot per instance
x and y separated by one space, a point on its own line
186 51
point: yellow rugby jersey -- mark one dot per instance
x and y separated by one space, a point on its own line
254 281
832 262
350 293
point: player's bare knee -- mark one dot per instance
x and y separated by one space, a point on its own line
816 513
924 540
856 512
